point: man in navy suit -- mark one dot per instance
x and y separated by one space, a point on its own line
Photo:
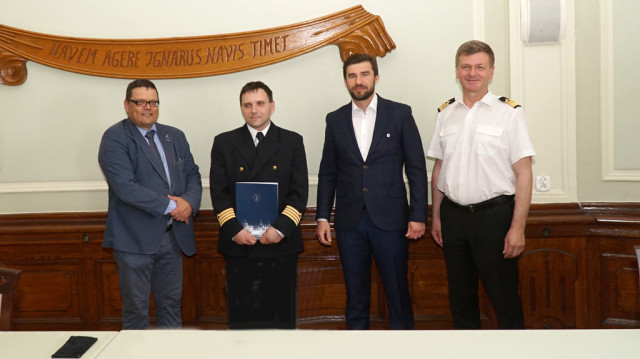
154 193
367 144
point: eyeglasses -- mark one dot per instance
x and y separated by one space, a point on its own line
143 103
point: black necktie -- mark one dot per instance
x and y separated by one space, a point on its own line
260 137
154 149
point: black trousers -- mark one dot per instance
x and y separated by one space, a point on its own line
473 242
261 292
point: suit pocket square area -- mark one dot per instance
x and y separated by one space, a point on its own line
75 347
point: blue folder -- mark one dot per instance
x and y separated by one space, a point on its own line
256 205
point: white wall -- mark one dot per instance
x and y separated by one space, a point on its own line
50 126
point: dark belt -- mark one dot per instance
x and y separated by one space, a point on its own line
490 203
168 228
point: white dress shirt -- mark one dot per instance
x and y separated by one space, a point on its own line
363 124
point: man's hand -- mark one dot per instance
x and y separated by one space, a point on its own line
244 237
270 236
436 230
415 230
323 232
183 209
513 243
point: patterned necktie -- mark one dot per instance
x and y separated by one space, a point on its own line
154 148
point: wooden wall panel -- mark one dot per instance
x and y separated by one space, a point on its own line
109 303
321 294
547 288
429 293
619 284
210 293
578 271
49 293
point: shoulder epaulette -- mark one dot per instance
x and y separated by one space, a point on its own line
446 103
509 102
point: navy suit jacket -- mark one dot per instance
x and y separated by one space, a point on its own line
281 158
138 188
378 182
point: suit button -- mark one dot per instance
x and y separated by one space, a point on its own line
364 167
275 168
365 189
241 169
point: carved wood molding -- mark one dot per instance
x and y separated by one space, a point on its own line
352 30
13 68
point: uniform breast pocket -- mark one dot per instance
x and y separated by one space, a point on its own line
448 138
488 139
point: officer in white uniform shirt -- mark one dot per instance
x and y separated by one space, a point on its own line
481 184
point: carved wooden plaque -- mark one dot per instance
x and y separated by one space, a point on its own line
353 30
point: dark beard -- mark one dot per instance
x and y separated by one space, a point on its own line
364 96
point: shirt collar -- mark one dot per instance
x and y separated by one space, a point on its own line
372 105
254 132
488 99
144 131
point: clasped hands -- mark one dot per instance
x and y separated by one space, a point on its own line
183 209
244 237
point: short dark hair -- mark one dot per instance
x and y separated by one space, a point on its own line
255 86
140 83
358 58
473 47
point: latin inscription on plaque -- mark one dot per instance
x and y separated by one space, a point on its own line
352 30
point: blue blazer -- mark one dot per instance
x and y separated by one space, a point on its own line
138 188
378 182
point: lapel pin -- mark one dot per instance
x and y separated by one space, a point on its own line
166 137
388 135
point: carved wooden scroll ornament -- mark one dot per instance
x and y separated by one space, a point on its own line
352 30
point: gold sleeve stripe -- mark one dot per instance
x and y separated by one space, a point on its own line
225 216
293 214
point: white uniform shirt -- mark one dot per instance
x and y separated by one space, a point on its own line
478 147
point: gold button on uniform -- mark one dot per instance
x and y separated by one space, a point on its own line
275 168
364 167
365 189
241 169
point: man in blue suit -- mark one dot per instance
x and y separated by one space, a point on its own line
367 144
154 193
